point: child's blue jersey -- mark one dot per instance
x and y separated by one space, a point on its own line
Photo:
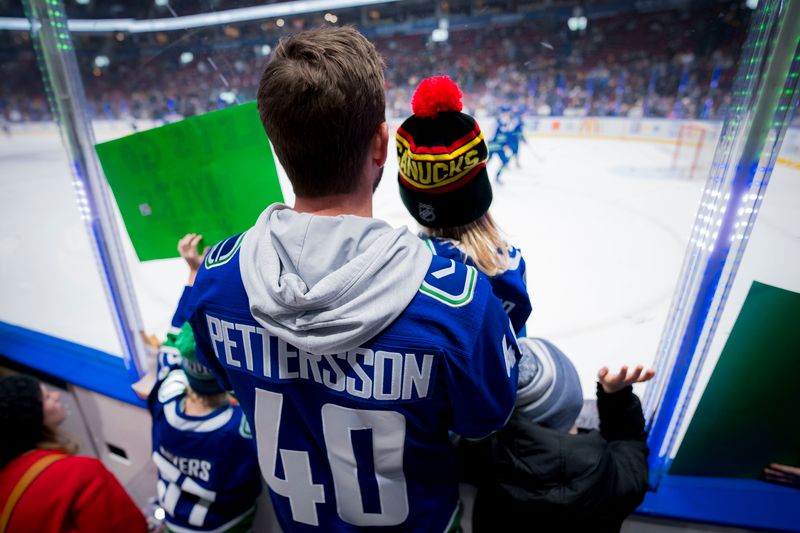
509 287
359 440
208 478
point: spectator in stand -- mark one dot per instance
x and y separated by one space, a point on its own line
664 59
44 486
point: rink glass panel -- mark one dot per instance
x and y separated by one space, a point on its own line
772 258
608 184
601 207
167 77
49 276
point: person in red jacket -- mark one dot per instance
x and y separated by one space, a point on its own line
44 487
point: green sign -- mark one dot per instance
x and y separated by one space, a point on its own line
748 416
211 174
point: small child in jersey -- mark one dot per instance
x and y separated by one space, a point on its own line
542 465
208 476
444 185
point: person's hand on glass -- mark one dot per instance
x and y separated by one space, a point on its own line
615 382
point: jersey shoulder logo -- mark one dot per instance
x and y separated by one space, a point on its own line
514 258
223 251
173 386
451 283
429 243
446 248
244 428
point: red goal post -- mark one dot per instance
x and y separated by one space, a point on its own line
693 150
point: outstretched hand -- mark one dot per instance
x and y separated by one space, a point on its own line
782 474
612 383
187 247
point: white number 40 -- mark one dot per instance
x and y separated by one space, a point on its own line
338 423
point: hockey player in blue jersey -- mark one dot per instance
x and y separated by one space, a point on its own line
501 143
457 224
351 348
208 478
517 134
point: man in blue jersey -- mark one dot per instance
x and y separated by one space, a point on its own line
351 348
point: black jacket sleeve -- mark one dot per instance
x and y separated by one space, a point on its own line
620 414
622 425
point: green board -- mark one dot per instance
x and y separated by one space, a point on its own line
749 415
211 174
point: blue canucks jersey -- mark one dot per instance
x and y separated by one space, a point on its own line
502 136
509 287
208 477
359 440
517 132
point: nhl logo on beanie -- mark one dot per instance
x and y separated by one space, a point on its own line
427 213
442 158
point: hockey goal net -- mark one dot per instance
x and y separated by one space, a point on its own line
694 151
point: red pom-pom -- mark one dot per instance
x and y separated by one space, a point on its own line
435 95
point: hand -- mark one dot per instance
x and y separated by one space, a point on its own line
151 341
782 474
612 383
187 247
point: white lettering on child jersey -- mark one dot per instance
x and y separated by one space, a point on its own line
196 468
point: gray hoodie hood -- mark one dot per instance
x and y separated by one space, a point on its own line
328 284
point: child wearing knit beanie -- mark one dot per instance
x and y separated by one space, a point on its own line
444 185
541 465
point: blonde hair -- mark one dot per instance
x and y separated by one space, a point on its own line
481 241
57 439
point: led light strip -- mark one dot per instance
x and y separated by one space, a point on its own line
198 21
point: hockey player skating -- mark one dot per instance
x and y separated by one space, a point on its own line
517 134
5 126
500 144
454 212
351 348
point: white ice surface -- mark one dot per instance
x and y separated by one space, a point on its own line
603 226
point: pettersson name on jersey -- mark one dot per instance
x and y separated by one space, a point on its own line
361 373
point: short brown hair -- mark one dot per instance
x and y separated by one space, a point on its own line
321 100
